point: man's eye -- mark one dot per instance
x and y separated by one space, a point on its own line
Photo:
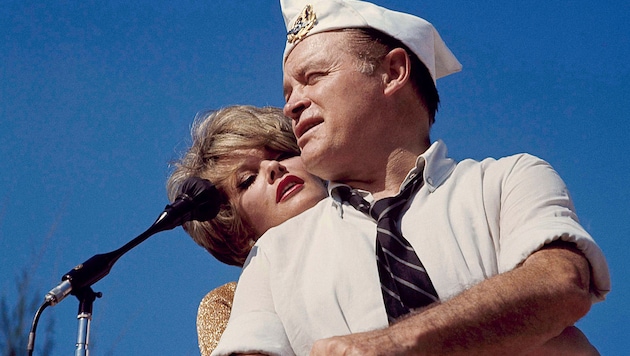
247 182
313 77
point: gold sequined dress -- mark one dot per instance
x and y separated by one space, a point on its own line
212 316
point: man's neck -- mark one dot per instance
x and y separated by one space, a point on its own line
386 182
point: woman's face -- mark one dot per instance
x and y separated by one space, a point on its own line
269 188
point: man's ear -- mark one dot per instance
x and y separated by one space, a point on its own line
396 70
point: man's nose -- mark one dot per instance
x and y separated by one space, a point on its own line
294 108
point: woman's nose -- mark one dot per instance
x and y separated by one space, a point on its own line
273 170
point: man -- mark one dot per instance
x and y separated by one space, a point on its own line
504 264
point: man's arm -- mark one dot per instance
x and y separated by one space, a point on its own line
511 313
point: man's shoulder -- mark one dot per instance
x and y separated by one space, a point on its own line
507 168
505 163
322 208
439 165
298 235
514 164
306 220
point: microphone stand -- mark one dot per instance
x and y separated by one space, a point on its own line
86 298
95 269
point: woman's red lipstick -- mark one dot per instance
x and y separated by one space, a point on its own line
288 186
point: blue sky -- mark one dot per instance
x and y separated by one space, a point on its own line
96 98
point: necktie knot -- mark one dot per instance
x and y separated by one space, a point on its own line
347 194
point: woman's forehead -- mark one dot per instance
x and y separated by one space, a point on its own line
246 157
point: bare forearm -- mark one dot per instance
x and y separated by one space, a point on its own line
510 313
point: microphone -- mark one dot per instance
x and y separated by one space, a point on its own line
199 200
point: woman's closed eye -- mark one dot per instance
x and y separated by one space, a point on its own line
246 181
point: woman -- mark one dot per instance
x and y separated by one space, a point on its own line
252 157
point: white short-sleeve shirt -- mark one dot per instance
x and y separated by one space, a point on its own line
315 276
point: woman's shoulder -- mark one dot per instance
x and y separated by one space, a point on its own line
212 316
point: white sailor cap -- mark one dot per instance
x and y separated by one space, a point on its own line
307 17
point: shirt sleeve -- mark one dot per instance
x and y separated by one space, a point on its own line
536 209
254 326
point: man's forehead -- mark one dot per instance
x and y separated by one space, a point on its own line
315 50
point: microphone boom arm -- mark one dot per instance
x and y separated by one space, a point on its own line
200 200
94 269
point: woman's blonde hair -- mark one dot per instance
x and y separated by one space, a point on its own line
215 136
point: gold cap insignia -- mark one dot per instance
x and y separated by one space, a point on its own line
302 25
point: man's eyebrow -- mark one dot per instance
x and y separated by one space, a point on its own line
311 62
300 70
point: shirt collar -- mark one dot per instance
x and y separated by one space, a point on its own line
437 166
433 164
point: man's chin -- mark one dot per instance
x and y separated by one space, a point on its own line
317 163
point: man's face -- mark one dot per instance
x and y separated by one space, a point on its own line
335 109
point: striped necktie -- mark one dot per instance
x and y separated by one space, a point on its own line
405 283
